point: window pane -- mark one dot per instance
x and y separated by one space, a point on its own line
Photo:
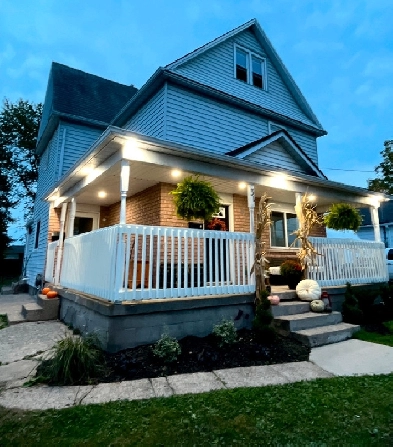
291 227
257 71
277 230
241 65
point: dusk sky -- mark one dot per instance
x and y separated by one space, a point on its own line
340 54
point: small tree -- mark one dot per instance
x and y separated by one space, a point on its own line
384 180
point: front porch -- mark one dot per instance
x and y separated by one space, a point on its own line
133 262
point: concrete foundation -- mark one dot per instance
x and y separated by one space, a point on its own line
129 324
337 293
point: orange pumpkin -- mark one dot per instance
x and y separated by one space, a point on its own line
51 294
45 290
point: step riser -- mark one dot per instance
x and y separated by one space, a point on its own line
290 309
324 339
309 323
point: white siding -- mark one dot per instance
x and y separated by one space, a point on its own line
215 68
46 178
276 156
208 124
149 120
78 140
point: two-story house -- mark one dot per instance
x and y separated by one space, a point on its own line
110 154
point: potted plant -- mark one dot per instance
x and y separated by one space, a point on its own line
216 225
342 216
195 199
292 271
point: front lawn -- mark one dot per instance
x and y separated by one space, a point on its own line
337 411
382 334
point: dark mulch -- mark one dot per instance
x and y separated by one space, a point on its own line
203 354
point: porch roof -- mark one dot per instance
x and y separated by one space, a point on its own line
152 161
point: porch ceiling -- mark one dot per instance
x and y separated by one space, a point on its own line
152 162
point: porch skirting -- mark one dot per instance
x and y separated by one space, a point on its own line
130 324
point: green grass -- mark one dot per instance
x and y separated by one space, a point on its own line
339 411
374 337
3 321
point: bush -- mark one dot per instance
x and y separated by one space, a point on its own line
262 323
75 360
167 348
351 311
342 216
226 333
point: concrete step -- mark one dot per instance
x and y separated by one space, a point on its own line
6 290
32 312
308 320
285 295
325 335
15 317
290 308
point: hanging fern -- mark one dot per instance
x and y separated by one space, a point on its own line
195 199
342 216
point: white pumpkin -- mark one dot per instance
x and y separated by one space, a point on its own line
317 306
274 299
308 290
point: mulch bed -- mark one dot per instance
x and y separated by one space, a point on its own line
202 355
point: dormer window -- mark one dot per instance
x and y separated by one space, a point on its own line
250 68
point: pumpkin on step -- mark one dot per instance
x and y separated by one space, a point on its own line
274 299
317 306
308 290
45 290
51 294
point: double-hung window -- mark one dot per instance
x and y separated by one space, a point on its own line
250 68
282 228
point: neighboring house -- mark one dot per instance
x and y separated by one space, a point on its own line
229 111
385 217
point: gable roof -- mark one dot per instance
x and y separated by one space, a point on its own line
271 53
83 97
283 137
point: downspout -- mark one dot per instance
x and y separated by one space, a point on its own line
59 259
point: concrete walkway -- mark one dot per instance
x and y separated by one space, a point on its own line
22 345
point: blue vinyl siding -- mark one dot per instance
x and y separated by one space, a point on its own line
207 124
215 68
276 156
149 119
78 139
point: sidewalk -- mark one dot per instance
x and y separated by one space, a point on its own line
21 346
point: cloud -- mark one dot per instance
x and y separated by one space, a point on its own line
379 67
7 54
310 47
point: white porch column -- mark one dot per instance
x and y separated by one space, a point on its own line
375 222
298 196
251 206
124 182
71 218
60 243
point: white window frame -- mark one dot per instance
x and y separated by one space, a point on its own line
283 211
249 54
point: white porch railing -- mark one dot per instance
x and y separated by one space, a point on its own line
342 260
132 262
51 255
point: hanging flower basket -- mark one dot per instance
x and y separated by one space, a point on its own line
195 199
342 216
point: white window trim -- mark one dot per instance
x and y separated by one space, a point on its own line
272 123
284 211
249 66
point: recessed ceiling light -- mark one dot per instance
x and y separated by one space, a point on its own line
242 185
175 173
102 194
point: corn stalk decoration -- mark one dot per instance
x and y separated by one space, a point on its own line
307 218
260 261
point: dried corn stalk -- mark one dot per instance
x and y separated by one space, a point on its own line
307 218
260 261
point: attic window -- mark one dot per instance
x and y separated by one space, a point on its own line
250 68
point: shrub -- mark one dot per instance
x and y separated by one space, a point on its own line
351 311
167 348
226 333
75 360
262 323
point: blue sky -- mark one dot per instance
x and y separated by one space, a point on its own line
340 54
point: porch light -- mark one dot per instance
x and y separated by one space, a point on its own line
102 194
175 173
242 185
279 181
312 197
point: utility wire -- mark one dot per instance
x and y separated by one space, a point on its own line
348 170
